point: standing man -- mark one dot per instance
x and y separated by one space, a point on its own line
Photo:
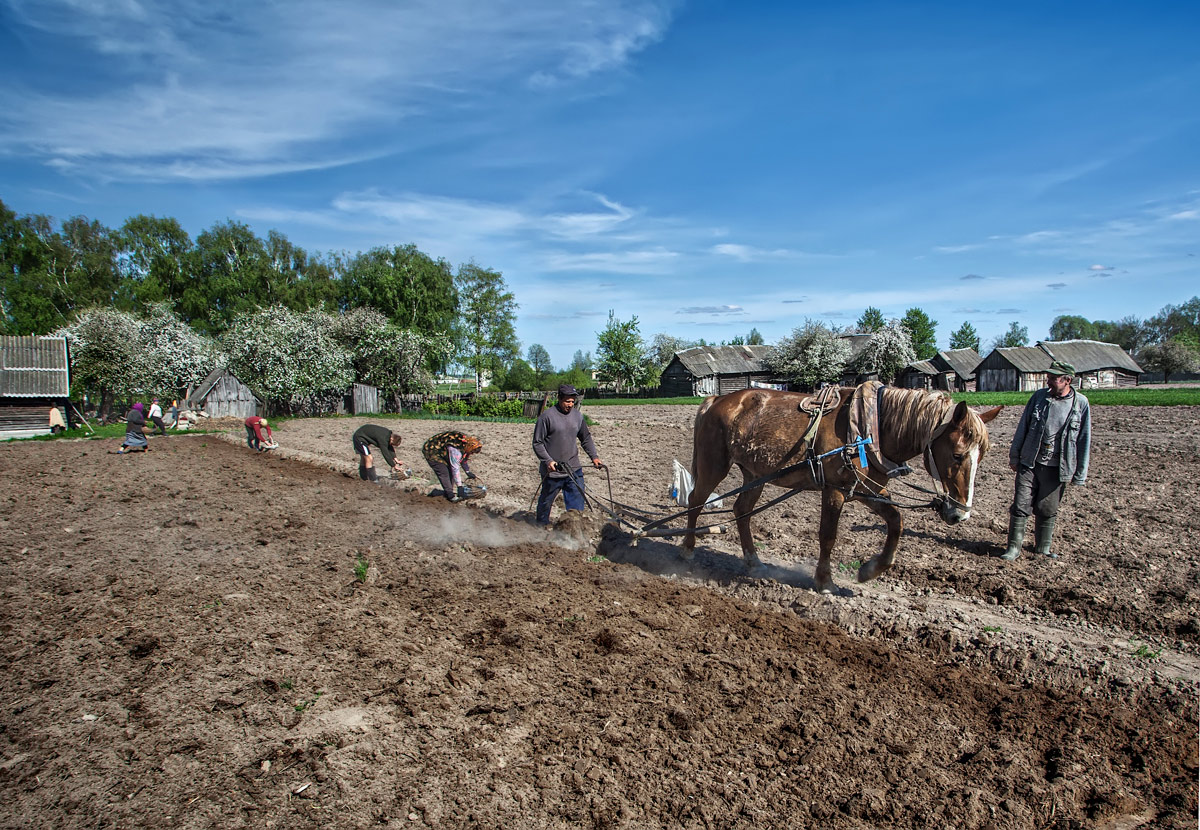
554 443
384 441
1051 447
448 455
154 416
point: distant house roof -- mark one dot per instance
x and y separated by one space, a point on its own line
1090 355
34 367
922 366
196 399
1025 358
857 342
703 361
961 361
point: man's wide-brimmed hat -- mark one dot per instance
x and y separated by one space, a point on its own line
1061 367
567 391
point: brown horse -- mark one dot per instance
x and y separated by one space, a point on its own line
761 430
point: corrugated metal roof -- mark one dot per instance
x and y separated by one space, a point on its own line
703 361
1090 355
961 361
34 367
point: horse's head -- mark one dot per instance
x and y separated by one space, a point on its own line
952 458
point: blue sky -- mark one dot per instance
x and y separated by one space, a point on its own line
710 167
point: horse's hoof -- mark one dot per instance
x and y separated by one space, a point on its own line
686 555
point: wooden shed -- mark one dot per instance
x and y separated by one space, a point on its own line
921 374
34 377
956 369
715 370
1024 368
1097 365
1013 369
221 395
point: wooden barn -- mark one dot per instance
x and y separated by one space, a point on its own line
34 378
715 370
957 368
1097 365
221 395
1024 368
1013 369
952 370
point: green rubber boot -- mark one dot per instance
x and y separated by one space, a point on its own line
1016 535
1043 532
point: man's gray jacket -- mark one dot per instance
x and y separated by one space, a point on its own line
1075 442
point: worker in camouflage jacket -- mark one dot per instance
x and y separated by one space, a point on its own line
448 455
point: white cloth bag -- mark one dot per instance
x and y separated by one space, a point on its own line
681 486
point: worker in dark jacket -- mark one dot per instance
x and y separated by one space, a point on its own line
135 430
1051 447
371 438
448 455
555 438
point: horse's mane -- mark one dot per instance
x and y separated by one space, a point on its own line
913 414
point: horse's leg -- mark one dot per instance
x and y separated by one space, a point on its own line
741 507
879 563
831 512
708 473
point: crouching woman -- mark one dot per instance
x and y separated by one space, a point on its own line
448 455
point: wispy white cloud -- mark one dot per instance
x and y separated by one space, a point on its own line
747 253
712 309
1098 267
652 261
1185 214
226 90
955 249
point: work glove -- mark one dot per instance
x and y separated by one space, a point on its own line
462 492
471 475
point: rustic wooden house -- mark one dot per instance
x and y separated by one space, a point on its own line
715 370
34 377
949 371
221 395
1097 365
921 374
1013 369
1024 368
957 369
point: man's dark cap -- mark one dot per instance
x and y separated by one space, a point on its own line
1061 367
567 391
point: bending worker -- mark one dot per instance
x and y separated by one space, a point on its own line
447 454
254 434
384 441
1050 448
554 443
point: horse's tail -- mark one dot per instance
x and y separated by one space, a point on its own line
705 405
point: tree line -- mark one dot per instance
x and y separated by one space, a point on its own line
149 309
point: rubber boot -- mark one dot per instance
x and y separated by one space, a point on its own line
372 475
1043 533
1016 535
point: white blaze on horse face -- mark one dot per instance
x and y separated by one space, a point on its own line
973 455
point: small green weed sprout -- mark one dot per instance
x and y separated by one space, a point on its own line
301 705
850 567
360 568
988 629
1145 652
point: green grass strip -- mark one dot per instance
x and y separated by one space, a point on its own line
1137 396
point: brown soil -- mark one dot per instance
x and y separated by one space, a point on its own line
186 644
